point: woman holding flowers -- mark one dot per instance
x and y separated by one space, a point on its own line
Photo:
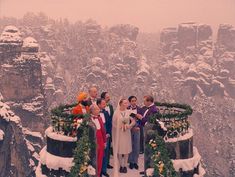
122 146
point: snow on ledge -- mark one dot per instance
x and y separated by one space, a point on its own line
38 171
30 42
7 114
187 164
181 137
202 172
35 134
55 162
57 136
1 135
11 34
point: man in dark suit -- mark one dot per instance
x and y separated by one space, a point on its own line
148 110
109 109
135 133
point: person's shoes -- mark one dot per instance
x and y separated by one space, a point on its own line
105 174
131 166
141 152
109 166
121 170
142 173
124 170
136 166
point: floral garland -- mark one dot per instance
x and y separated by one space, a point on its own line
82 162
66 122
72 125
176 122
162 164
175 114
177 128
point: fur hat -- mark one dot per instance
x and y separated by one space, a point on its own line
81 96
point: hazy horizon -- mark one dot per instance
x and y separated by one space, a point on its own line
149 16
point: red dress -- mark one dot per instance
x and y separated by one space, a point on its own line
100 140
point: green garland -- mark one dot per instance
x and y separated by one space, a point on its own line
63 120
179 115
82 152
162 164
175 121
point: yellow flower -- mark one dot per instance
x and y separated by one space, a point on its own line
83 168
160 166
154 145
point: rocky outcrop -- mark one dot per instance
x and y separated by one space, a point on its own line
21 77
127 31
187 34
21 88
16 160
226 37
197 60
186 37
53 84
200 71
67 51
169 39
10 44
204 32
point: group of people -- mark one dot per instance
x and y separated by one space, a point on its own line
119 132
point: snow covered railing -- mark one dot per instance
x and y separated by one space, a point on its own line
173 118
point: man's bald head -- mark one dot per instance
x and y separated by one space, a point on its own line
93 92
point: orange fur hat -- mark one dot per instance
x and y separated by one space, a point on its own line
81 96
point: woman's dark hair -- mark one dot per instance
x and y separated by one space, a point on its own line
131 97
103 95
121 101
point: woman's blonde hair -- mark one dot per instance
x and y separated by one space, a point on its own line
121 101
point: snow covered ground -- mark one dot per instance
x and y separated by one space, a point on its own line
130 173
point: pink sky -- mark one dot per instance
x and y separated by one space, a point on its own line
148 15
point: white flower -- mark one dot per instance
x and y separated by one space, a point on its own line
91 170
149 172
162 125
79 121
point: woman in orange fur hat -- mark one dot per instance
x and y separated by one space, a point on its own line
82 107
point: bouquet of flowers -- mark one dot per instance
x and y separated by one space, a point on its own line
124 125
